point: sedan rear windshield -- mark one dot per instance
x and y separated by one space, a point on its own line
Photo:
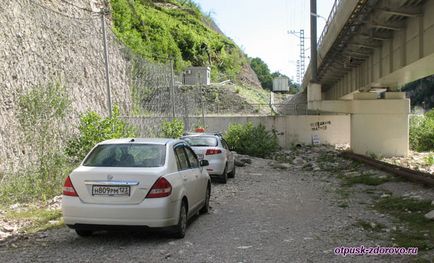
127 155
201 141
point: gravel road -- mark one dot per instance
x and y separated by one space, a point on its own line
263 215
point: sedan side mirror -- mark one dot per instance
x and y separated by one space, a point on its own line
204 163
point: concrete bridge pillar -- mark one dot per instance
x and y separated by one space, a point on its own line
380 127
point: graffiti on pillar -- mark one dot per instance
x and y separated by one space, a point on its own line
320 125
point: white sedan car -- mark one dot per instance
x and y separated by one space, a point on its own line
156 183
215 150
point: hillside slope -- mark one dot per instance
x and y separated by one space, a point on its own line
163 29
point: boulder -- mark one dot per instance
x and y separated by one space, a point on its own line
430 215
239 163
246 160
298 161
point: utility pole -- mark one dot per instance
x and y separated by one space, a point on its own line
104 10
313 41
301 65
299 74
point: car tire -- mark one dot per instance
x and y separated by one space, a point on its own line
232 173
181 227
205 208
224 176
84 233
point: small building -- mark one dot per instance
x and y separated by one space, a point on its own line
281 84
197 76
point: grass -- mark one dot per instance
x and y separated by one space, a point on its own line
430 160
30 185
40 219
417 231
366 179
254 95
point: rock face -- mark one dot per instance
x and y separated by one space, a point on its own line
248 76
43 42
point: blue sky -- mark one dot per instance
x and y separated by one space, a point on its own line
260 27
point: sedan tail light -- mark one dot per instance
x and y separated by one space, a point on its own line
213 151
68 188
161 188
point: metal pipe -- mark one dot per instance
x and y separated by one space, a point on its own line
172 88
313 41
106 59
409 174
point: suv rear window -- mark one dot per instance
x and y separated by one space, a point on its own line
127 155
201 141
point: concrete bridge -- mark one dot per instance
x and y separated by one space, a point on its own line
367 52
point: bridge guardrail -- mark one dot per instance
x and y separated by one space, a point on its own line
332 14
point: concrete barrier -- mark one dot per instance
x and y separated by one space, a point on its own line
329 129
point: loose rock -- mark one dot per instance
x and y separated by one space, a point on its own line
430 215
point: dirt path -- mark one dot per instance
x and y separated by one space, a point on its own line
263 215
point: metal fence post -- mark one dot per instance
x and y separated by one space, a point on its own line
172 89
106 58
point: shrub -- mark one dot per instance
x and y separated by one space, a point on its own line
251 140
41 112
94 129
422 132
172 129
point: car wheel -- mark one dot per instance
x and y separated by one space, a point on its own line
83 233
181 227
224 176
205 208
232 173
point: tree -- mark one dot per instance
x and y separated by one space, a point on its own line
421 92
263 72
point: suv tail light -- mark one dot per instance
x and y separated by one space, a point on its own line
161 188
68 188
213 151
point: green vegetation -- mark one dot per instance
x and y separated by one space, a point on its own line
172 129
421 93
39 219
429 160
263 72
94 129
266 77
41 113
417 231
422 132
366 179
254 95
252 140
160 30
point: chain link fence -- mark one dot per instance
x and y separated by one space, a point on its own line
64 43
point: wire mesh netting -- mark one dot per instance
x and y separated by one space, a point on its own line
61 42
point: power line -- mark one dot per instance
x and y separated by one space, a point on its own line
57 12
79 7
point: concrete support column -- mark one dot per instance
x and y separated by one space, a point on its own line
313 95
380 126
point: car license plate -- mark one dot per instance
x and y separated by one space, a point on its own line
110 190
200 156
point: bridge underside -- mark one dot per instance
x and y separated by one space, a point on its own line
371 49
382 45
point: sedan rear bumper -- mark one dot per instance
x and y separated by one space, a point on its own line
158 212
216 167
